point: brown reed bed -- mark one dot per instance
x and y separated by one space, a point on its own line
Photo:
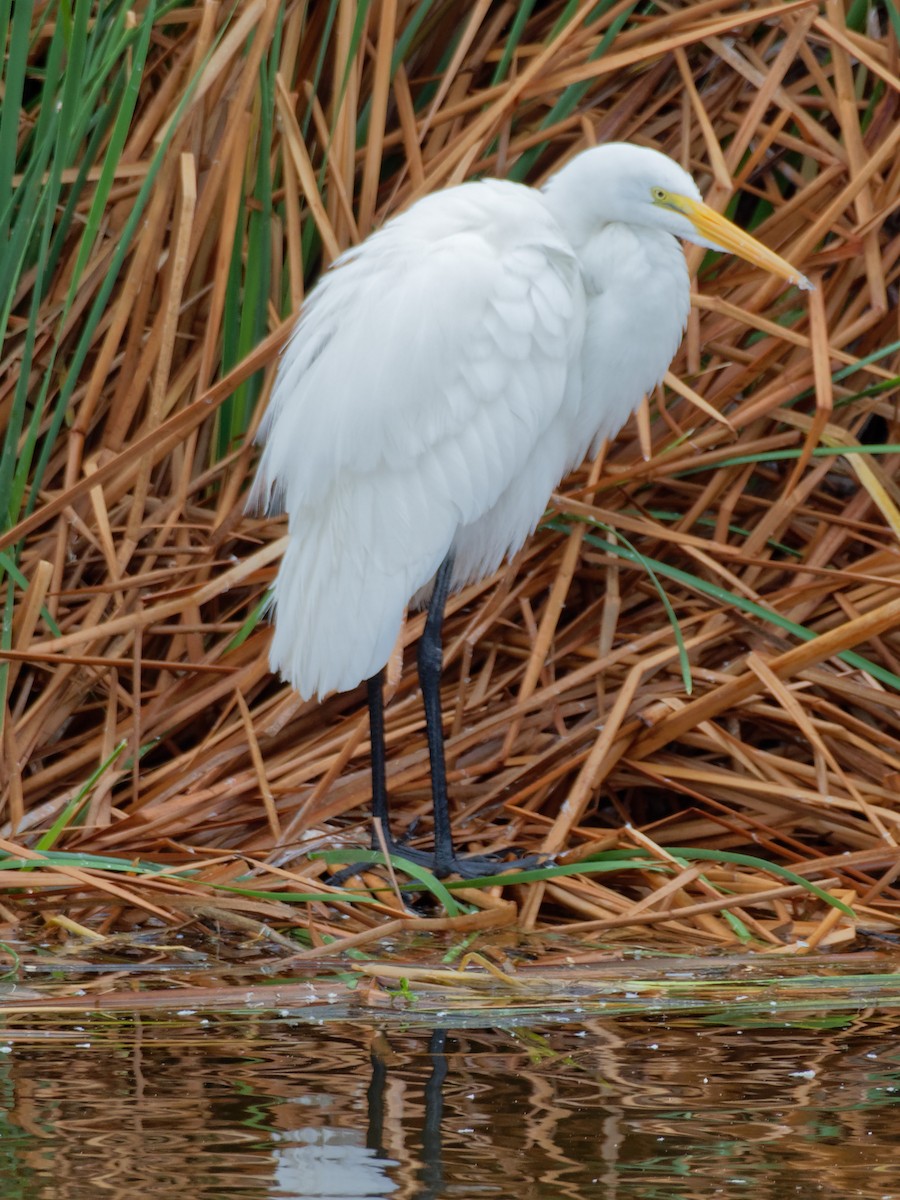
754 494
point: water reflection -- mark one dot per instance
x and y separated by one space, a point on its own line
222 1107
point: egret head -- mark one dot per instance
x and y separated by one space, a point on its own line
618 182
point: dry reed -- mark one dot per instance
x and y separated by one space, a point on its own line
756 482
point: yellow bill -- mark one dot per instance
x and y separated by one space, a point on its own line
725 235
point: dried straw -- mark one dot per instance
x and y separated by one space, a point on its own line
570 728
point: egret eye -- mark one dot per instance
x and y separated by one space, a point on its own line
660 195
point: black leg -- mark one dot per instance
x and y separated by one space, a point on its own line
432 1172
430 661
375 1103
376 737
443 860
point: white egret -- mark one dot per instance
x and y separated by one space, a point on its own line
442 378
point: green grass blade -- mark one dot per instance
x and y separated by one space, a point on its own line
121 126
573 95
516 29
732 599
10 567
739 460
16 39
691 854
641 860
427 878
68 814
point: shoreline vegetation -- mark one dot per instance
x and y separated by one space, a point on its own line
686 688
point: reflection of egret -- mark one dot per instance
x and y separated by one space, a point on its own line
442 378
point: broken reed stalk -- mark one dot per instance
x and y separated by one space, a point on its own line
757 487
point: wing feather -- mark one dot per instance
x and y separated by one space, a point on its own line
426 367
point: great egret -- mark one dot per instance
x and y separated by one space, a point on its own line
442 378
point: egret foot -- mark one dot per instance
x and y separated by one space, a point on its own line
471 866
465 867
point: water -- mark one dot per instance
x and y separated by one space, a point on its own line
627 1107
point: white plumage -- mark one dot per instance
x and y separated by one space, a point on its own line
445 374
